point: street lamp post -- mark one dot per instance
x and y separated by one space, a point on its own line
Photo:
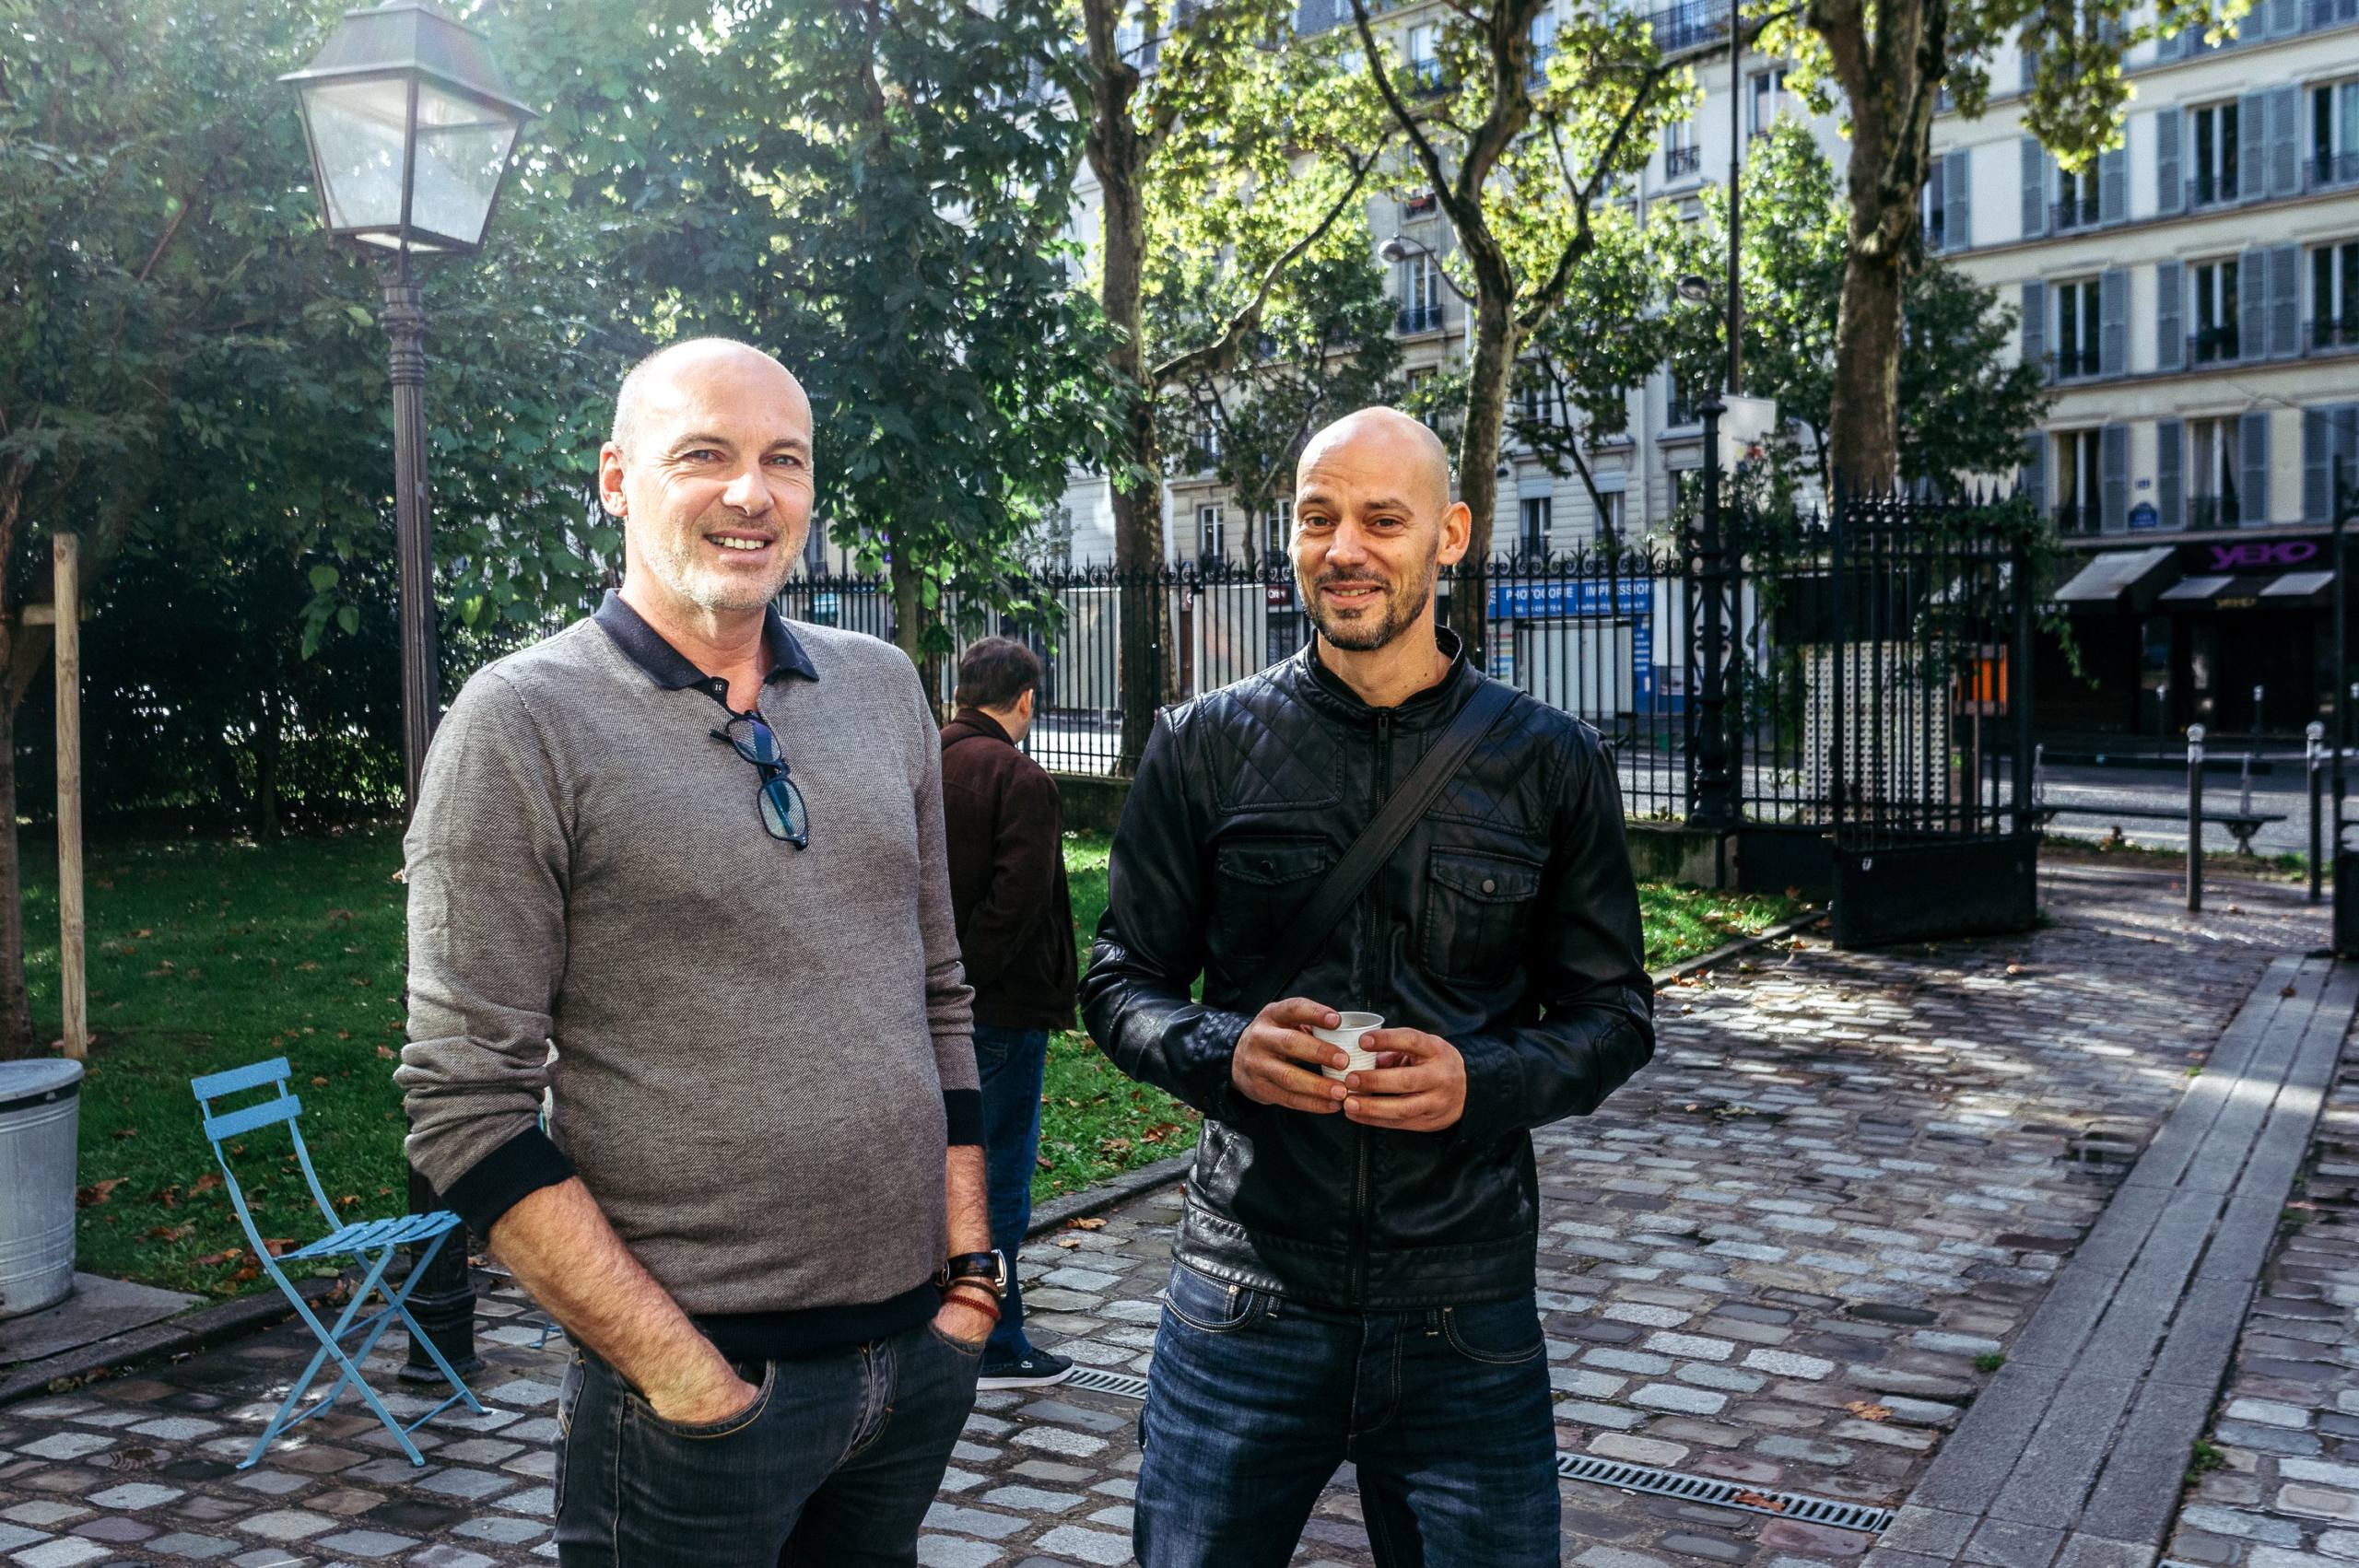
410 125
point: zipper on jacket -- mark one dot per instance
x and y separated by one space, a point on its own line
1379 978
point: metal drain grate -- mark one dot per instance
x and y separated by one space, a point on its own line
1719 1493
1708 1490
1093 1380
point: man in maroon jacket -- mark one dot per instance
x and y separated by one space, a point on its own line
1005 827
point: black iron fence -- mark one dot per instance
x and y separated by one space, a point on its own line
1862 691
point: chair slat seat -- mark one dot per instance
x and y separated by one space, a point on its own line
369 1234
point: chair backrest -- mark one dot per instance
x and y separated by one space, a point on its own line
220 1126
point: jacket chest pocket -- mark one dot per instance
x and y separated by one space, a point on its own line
1259 886
1478 911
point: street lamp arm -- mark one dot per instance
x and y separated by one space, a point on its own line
1399 248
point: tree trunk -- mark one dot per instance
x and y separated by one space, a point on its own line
16 1007
909 626
266 744
1865 408
1478 462
1118 155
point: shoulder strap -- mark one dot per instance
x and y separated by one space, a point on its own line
1374 847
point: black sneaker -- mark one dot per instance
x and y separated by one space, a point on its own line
1038 1370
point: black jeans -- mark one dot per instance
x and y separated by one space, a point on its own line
833 1467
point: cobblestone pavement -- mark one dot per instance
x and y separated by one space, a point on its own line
1784 1256
2278 1472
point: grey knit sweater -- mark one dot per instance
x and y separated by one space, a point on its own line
761 1052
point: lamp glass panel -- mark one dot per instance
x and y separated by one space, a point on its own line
359 134
462 151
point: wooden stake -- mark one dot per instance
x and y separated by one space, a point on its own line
73 984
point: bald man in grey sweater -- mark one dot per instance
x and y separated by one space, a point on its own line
700 851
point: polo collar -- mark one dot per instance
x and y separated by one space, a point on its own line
668 668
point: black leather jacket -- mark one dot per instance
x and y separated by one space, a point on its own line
1507 923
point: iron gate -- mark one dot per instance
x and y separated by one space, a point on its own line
1863 717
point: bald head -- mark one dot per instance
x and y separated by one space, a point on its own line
656 385
1386 440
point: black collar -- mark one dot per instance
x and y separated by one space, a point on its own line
1417 709
668 668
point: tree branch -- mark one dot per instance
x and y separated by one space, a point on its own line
1214 357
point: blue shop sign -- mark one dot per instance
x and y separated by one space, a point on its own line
2144 515
1551 597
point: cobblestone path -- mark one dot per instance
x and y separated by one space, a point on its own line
1784 1256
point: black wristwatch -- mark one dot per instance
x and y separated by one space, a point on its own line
986 1268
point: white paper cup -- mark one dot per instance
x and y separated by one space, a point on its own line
1348 1035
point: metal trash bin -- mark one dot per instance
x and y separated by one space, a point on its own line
41 1113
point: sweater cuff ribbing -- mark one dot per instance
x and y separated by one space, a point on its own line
509 1173
963 1108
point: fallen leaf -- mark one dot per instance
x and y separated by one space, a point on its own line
169 1233
215 1260
143 932
339 914
1043 1160
251 1271
1068 1242
386 1053
1867 1412
1757 1500
1086 1224
205 1183
401 876
2287 992
347 1200
169 1197
2014 968
278 1246
126 1132
98 1192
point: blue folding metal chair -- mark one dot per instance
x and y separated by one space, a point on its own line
373 1241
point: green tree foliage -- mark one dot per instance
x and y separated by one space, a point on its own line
1580 366
1963 407
1325 348
1230 147
877 193
1521 141
1890 62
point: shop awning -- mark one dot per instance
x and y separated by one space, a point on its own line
2115 573
2225 592
2299 588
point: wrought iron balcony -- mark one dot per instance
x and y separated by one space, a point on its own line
1425 78
2213 345
2072 365
1688 25
1680 162
2328 334
2079 213
2212 511
1680 413
2327 170
2072 517
2211 190
1418 318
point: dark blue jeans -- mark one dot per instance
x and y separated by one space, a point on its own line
1010 1062
1254 1401
834 1466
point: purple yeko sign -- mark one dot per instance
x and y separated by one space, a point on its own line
2263 553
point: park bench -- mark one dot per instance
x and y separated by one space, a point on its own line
2241 825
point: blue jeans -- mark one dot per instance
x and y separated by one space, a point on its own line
1010 1062
833 1467
1253 1401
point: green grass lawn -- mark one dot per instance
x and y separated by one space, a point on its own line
205 954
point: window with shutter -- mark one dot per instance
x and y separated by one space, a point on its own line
2212 501
2078 483
2215 339
2035 325
2113 340
2284 18
1936 210
2285 301
2334 296
2031 479
2170 296
2284 141
2035 163
1957 176
2214 147
2252 304
2078 353
2327 434
2252 145
2113 185
2170 195
2255 495
2170 487
2117 477
2331 157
